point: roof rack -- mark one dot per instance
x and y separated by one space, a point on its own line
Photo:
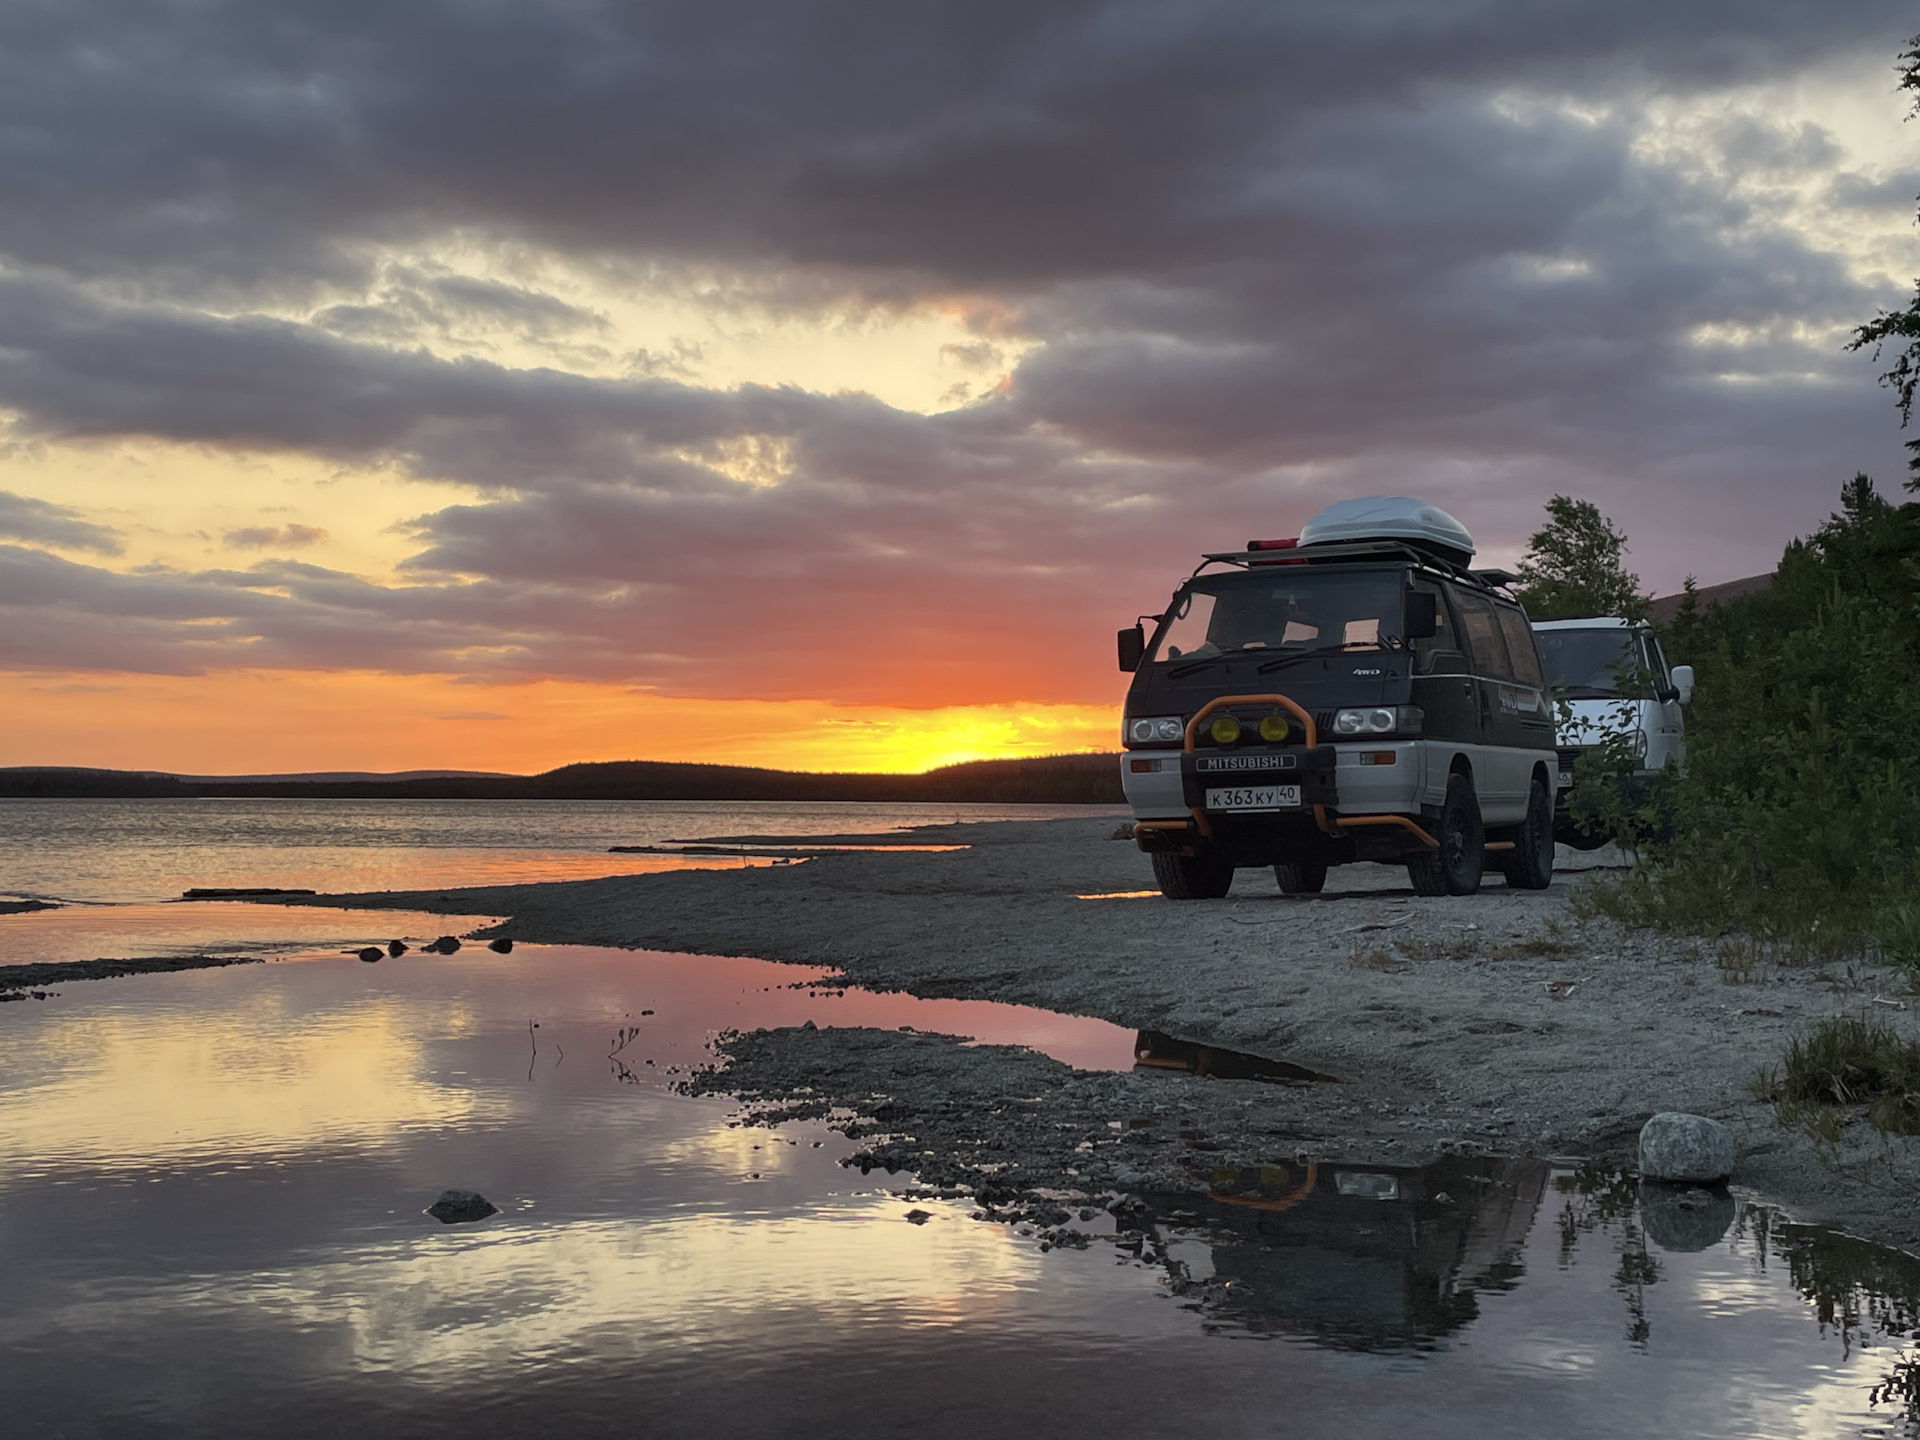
1354 550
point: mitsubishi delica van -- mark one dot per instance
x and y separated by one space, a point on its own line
1355 693
1610 672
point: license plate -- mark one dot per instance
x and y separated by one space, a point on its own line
1565 781
1255 797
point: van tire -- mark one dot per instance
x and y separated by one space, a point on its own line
1200 876
1455 868
1301 878
1529 865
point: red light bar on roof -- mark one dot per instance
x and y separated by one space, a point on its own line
1273 544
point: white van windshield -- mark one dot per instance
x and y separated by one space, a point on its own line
1592 664
1299 609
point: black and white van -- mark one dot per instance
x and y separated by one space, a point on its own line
1355 693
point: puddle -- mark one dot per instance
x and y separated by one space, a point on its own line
771 848
219 1179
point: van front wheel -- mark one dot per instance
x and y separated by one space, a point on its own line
1301 879
1454 868
1201 876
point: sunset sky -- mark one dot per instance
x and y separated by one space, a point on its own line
492 386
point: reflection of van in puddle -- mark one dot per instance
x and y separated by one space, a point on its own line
1608 673
1355 1256
1355 693
1155 1051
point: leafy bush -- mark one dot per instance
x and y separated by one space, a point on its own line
1798 820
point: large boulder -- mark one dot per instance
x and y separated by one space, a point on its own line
1686 1149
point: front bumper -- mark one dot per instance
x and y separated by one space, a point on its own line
1168 792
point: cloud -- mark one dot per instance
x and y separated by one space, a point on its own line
41 522
279 537
1254 258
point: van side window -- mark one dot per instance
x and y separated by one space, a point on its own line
1483 635
1521 650
1443 638
1657 663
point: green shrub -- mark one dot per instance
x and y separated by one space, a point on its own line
1846 1061
1798 819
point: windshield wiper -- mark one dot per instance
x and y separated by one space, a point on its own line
1187 667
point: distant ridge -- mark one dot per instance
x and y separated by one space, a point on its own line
1045 780
1662 609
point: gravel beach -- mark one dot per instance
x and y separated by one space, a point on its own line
1488 1024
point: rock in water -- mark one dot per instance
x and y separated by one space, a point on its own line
1684 1219
396 948
372 953
1690 1149
445 945
457 1207
500 945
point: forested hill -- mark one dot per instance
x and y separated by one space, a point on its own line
1050 779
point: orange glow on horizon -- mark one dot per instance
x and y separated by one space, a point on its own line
266 722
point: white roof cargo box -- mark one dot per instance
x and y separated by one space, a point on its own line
1390 517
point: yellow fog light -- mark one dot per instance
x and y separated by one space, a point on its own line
1274 728
1224 730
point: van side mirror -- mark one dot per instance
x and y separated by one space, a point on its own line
1133 647
1683 683
1421 618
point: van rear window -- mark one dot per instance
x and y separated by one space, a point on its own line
1520 646
1483 636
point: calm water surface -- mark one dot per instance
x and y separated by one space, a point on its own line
211 1196
130 850
212 1188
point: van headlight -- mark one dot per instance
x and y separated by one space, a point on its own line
1156 730
1381 720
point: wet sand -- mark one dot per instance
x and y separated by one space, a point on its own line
1493 1023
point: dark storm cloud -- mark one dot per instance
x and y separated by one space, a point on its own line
1275 254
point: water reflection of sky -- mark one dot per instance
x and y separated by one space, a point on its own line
146 850
215 1178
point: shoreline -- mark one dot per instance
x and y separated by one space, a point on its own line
1483 1024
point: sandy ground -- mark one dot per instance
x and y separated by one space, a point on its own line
1492 1023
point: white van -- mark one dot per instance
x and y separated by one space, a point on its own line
1587 662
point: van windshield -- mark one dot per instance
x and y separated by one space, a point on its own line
1591 664
1299 609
